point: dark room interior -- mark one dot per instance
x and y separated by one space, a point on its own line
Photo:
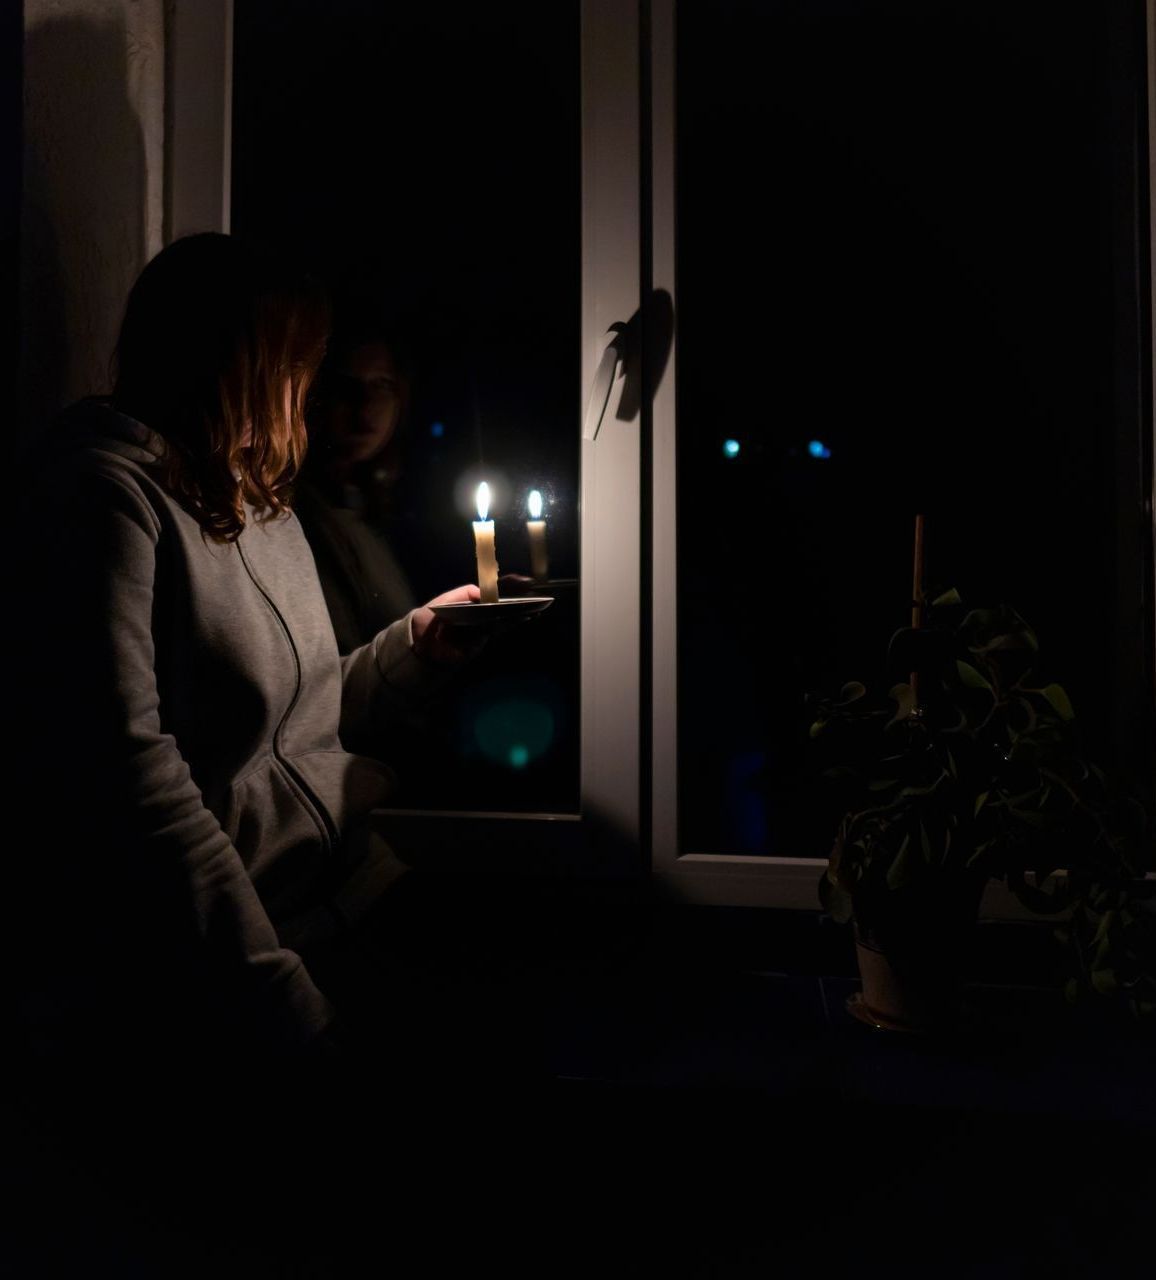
805 349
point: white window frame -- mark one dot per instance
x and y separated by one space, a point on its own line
629 714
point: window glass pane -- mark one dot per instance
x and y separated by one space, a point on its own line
898 234
424 159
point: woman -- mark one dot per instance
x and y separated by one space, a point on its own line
200 816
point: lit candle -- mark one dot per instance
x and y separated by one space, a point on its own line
536 528
484 543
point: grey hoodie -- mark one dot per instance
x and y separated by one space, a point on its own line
189 717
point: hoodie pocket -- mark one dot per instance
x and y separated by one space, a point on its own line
279 838
347 786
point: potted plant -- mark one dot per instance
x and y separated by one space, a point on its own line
974 770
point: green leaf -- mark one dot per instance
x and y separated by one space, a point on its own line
924 791
1102 928
980 850
1008 641
835 900
980 801
901 870
977 619
960 722
1022 707
970 676
1059 700
925 843
950 596
1105 980
817 728
852 691
1029 817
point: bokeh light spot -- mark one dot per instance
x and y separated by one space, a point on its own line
514 731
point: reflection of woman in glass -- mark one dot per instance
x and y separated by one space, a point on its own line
356 419
208 826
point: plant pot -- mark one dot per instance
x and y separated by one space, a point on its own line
911 955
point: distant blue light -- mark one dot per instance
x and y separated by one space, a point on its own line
437 430
731 448
817 449
519 756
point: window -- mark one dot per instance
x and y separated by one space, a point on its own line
889 215
425 162
906 284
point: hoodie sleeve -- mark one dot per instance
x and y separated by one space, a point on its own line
385 678
143 871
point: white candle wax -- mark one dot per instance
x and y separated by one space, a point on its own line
487 561
539 560
536 528
484 546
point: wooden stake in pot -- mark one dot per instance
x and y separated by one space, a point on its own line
917 598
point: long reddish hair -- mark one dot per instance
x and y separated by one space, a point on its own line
219 346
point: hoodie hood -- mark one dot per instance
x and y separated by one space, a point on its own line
93 423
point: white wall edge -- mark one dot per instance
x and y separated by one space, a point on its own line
199 102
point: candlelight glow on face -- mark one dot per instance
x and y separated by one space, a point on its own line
536 531
484 547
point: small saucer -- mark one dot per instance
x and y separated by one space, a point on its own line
476 613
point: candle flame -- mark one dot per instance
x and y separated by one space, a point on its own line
483 500
535 505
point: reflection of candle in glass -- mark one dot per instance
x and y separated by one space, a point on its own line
536 528
484 543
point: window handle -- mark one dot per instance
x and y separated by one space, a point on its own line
603 381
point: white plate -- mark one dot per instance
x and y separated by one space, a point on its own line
478 614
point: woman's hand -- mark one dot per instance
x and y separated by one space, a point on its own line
438 642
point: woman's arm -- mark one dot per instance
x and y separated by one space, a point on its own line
403 665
